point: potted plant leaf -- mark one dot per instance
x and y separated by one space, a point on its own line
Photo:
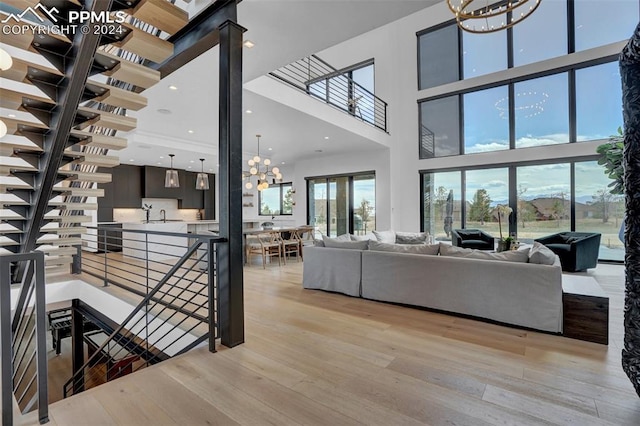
611 156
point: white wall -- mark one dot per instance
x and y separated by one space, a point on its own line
377 161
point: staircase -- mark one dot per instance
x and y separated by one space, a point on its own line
69 107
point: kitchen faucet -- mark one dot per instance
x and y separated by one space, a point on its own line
163 213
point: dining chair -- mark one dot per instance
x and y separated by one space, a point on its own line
306 235
291 244
267 244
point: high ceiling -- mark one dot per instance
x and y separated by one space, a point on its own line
283 31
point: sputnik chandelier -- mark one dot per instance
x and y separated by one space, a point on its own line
493 16
260 169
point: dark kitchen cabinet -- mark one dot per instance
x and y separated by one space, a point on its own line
192 198
210 199
154 184
124 190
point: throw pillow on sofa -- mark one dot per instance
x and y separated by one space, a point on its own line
339 243
455 251
366 237
429 249
520 256
385 236
541 254
411 237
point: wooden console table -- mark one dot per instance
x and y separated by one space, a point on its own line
585 308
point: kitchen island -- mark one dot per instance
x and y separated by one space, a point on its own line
154 247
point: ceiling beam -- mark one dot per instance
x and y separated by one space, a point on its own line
198 36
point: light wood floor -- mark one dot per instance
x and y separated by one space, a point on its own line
312 357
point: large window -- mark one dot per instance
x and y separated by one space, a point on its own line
538 104
543 35
486 120
276 200
442 205
342 204
543 204
438 60
542 111
484 53
598 101
484 190
602 22
543 199
440 127
597 210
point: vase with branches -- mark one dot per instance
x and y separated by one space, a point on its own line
503 212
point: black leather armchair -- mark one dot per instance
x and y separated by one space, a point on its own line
472 238
577 251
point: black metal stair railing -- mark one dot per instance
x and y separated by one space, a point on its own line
23 346
317 78
174 274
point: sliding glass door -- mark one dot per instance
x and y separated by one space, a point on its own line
344 204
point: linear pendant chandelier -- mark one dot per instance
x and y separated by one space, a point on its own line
171 176
494 16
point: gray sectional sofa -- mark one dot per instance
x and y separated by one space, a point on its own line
522 294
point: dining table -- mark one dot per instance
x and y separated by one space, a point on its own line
256 231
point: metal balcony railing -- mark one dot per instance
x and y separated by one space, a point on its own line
175 275
322 81
22 337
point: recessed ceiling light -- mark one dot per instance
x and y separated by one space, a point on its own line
161 157
189 167
164 111
172 87
249 111
191 161
283 163
248 44
210 170
12 116
190 131
270 149
326 137
132 160
159 163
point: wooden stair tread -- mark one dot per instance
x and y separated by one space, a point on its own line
145 44
69 219
79 192
12 99
9 243
101 141
95 159
71 230
56 270
127 71
161 14
14 203
109 120
4 216
6 186
10 231
57 251
63 205
87 176
71 241
57 260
